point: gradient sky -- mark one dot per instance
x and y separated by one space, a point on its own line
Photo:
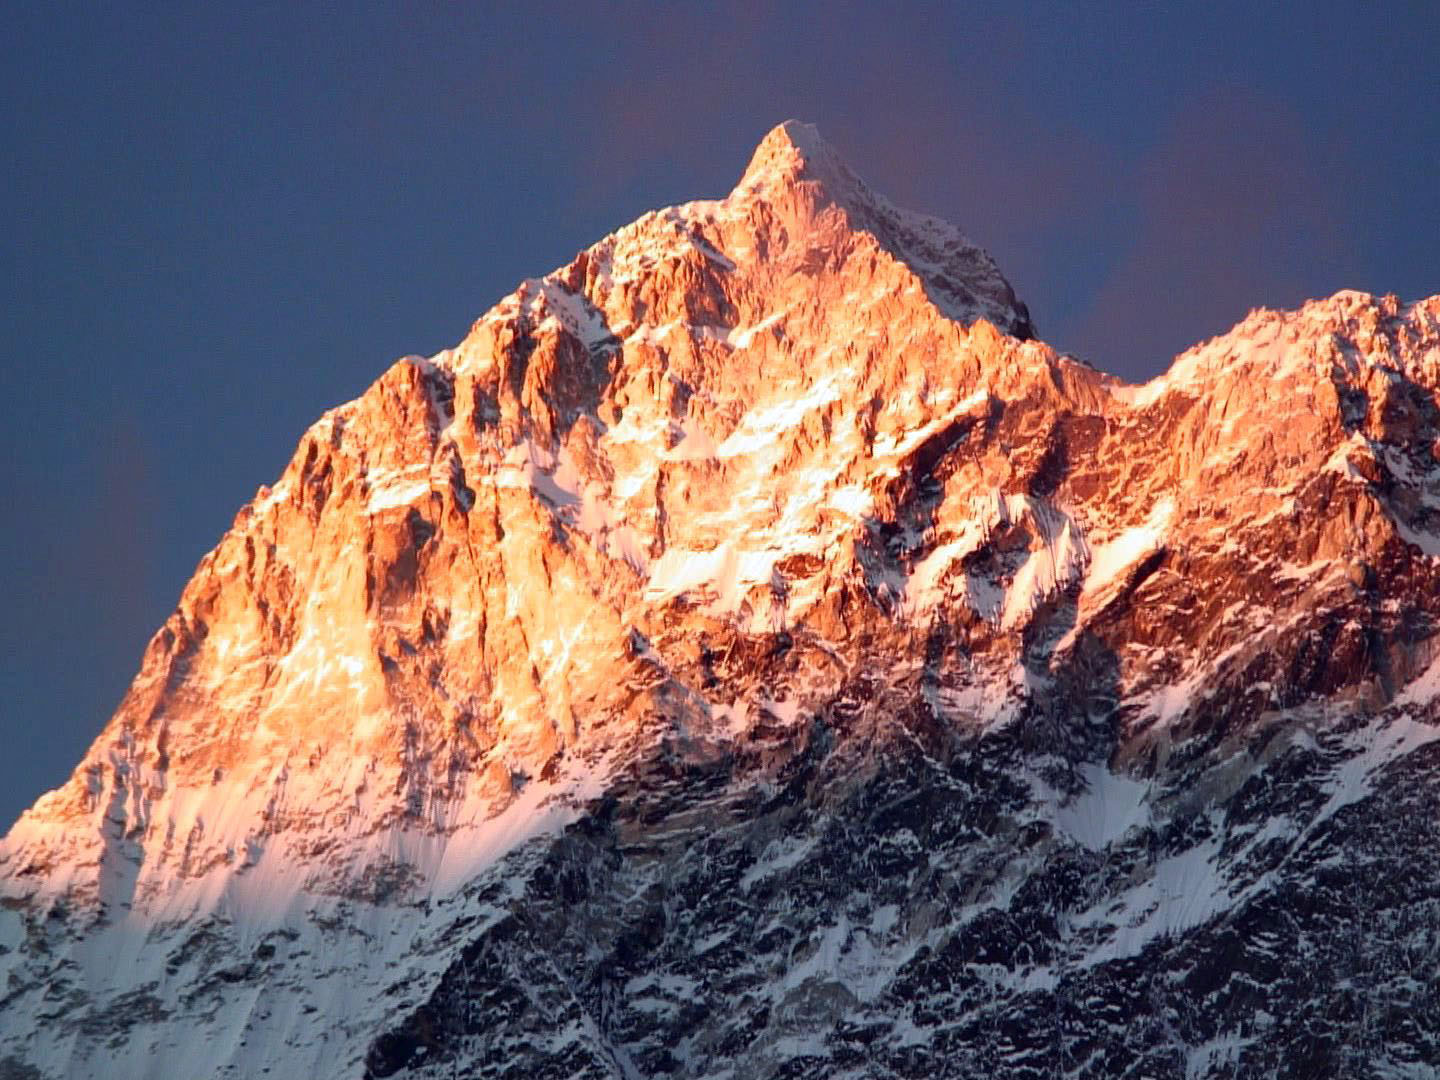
220 221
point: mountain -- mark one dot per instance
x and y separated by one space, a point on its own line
752 653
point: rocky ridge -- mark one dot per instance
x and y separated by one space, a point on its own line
751 653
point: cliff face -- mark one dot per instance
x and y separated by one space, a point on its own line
750 652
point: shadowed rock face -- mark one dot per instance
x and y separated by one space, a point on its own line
749 653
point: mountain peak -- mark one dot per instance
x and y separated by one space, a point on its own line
793 151
752 516
797 172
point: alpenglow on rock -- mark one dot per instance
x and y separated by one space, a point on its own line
750 653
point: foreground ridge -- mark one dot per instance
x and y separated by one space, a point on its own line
749 652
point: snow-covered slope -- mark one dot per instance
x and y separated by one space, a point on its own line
750 653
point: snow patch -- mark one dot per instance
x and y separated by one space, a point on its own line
392 488
1108 807
1109 561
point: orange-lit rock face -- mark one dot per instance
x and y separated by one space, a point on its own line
728 456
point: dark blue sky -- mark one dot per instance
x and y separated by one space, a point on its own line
219 222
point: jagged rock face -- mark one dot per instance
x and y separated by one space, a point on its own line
751 653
